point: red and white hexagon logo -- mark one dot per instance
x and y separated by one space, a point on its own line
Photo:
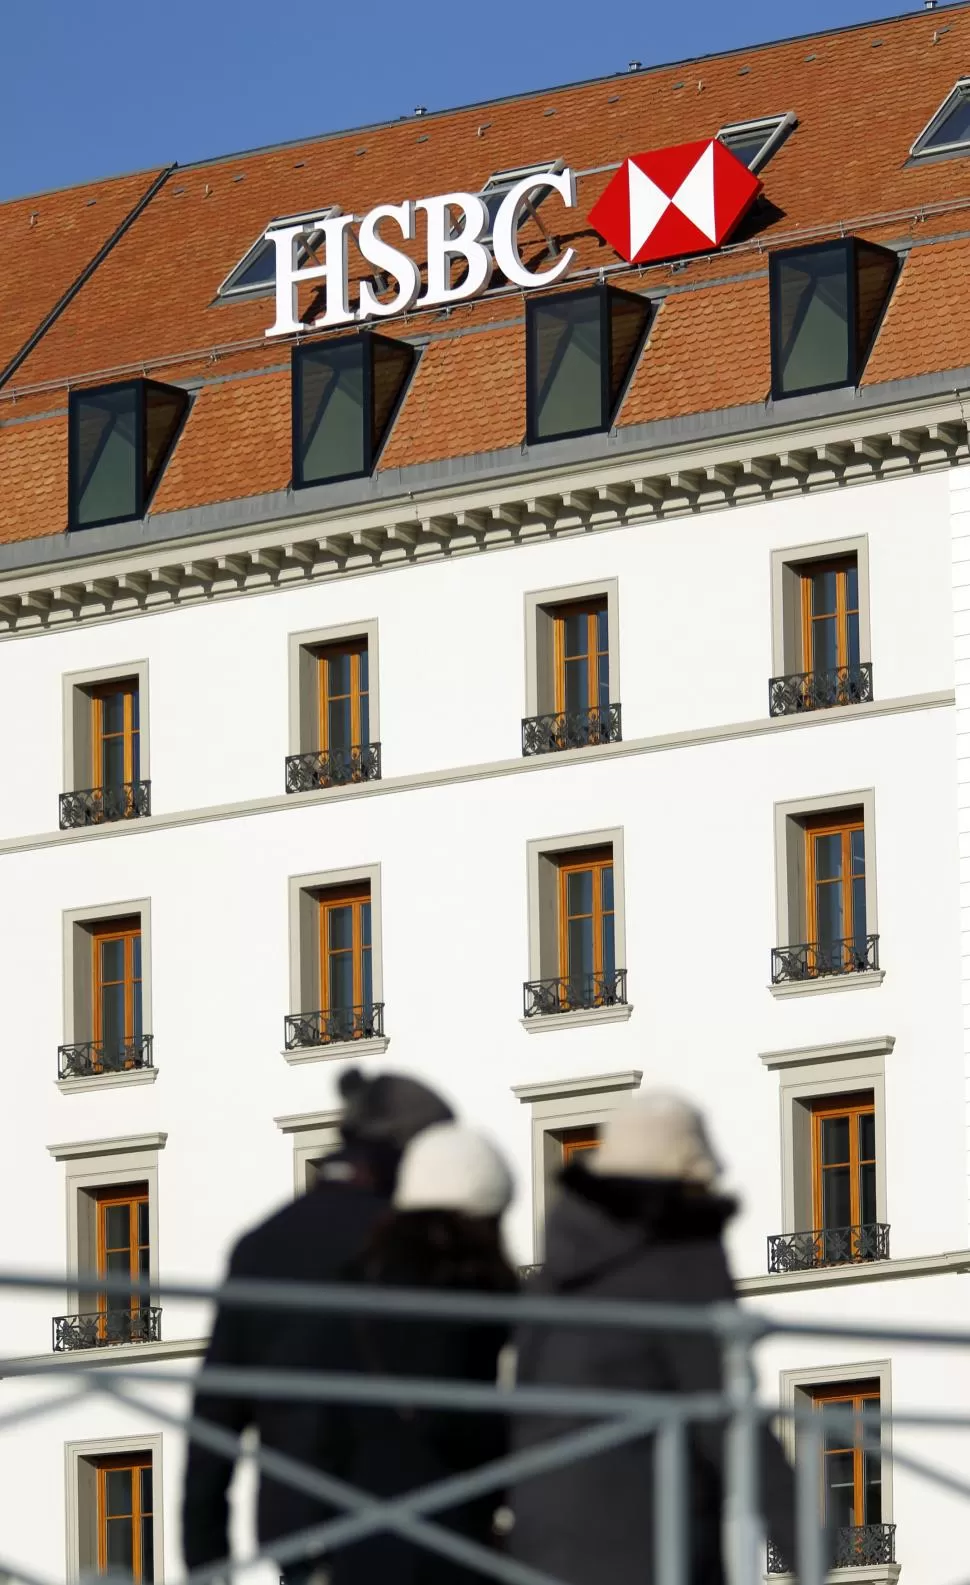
685 199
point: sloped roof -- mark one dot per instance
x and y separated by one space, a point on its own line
860 96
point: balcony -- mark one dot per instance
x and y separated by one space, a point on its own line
856 1546
820 690
333 767
329 1028
811 960
88 1059
574 993
105 1328
828 1246
95 806
550 734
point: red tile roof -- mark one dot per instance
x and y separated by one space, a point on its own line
861 96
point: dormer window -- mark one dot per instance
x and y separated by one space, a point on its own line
346 393
500 185
754 142
948 131
256 270
580 350
119 440
827 302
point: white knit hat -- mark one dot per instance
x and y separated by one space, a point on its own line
452 1168
655 1135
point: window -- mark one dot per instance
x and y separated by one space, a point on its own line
851 1466
346 393
336 742
110 771
829 897
315 1135
587 976
116 995
576 1141
336 977
498 187
125 1516
256 270
580 351
820 628
827 302
754 142
107 997
572 668
844 1163
120 438
948 131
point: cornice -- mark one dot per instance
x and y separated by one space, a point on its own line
596 495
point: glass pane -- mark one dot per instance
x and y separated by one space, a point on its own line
112 1031
117 1492
340 730
144 1262
579 948
835 1432
117 1227
857 850
117 1263
602 631
364 673
135 721
609 955
577 685
835 1141
828 857
112 960
575 634
606 888
840 1489
954 128
364 719
746 146
852 656
836 1198
859 913
164 410
119 1546
113 712
825 644
113 762
261 269
852 587
565 367
811 332
867 1195
136 1030
828 907
367 977
146 1490
579 892
341 928
867 1137
603 682
331 441
341 981
365 924
104 433
824 592
147 1551
143 1222
338 675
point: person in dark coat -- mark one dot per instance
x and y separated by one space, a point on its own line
637 1219
443 1234
311 1239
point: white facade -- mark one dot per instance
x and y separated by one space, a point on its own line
696 788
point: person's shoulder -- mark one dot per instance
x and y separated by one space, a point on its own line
315 1232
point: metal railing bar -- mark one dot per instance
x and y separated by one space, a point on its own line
808 1503
35 1411
670 1504
741 1504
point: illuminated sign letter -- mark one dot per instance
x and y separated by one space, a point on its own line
504 239
287 240
444 244
391 260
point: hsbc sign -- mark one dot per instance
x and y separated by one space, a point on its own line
659 205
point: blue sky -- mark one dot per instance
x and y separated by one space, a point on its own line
94 87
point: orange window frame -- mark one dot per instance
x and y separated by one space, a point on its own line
135 1462
598 861
353 897
842 566
854 1111
826 827
119 930
853 1398
575 1141
355 649
591 609
129 732
132 1198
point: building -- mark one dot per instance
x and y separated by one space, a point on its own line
604 634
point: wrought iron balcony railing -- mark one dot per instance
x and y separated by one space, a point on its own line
105 1328
88 1058
828 1246
573 993
95 806
548 734
820 690
333 767
339 1023
810 960
856 1546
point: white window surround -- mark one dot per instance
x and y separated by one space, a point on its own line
315 1134
305 958
76 719
811 1073
93 1164
80 1500
786 621
539 681
303 729
559 1104
960 90
795 1395
543 923
789 862
77 978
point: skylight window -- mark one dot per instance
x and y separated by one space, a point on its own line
948 132
256 270
754 142
346 393
500 185
119 440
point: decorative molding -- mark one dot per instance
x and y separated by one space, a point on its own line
96 1358
106 1147
588 1084
869 979
107 1081
956 1261
340 541
338 1051
582 1018
297 1122
800 1057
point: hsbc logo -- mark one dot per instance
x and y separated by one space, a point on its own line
685 199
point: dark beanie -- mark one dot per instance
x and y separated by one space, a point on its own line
389 1109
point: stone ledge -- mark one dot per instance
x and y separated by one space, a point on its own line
952 1261
338 1051
107 1081
869 979
583 1018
